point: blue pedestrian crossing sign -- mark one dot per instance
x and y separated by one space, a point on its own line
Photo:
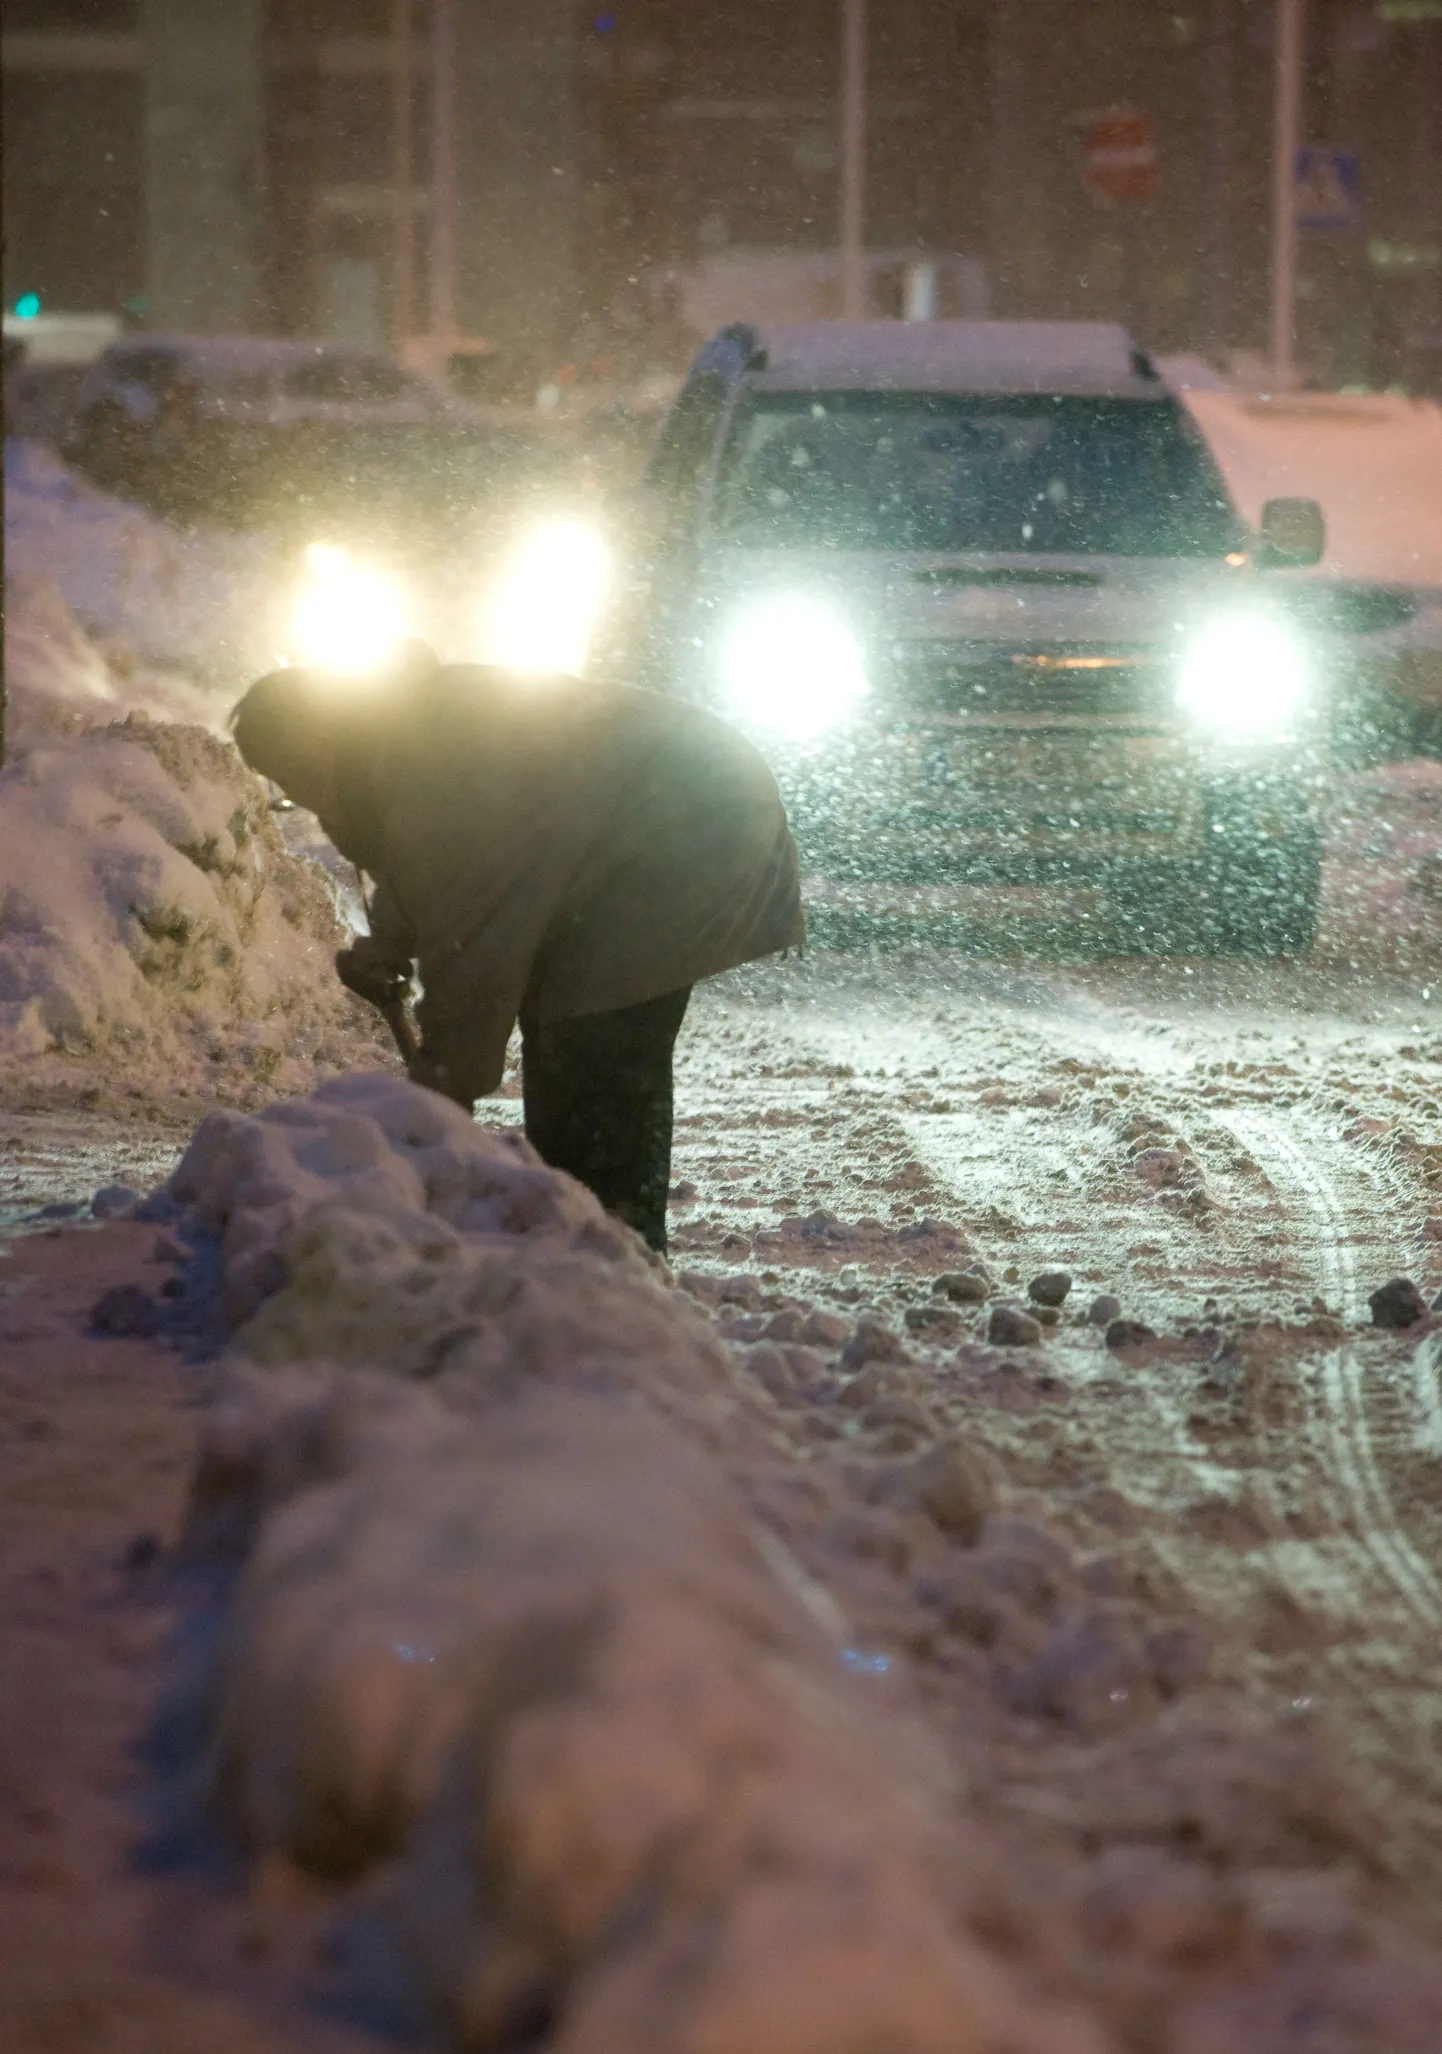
1327 190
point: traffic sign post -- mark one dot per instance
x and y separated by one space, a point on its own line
853 159
1286 138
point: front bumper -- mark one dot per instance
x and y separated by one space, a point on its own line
1078 804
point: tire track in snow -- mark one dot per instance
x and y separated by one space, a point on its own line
1427 1389
1345 1423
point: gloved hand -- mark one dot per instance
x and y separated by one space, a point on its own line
363 969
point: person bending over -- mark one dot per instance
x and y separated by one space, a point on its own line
574 855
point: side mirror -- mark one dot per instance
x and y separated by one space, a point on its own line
1294 534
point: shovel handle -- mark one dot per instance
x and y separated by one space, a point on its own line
393 1012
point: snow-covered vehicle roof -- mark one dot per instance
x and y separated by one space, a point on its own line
1084 357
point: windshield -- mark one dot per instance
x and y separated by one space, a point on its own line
935 471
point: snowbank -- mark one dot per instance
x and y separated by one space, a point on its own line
58 680
54 674
155 938
504 1620
153 594
109 611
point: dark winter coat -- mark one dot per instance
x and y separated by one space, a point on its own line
564 846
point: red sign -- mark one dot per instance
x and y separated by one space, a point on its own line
1119 156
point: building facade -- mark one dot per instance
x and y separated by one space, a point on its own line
277 163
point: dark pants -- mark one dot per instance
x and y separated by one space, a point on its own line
598 1104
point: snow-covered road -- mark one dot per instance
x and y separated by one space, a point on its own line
1207 1615
1241 1155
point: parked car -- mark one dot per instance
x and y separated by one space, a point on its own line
981 588
265 430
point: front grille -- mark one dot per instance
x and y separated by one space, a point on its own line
989 678
946 578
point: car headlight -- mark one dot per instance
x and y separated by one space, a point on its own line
1244 676
540 614
347 616
793 666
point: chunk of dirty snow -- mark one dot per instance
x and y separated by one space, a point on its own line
1011 1327
1397 1304
1049 1288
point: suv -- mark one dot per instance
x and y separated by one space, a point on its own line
979 588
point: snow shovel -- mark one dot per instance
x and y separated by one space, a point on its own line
396 1016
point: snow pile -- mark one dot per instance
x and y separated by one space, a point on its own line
504 1622
58 680
152 594
51 665
369 1201
155 936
